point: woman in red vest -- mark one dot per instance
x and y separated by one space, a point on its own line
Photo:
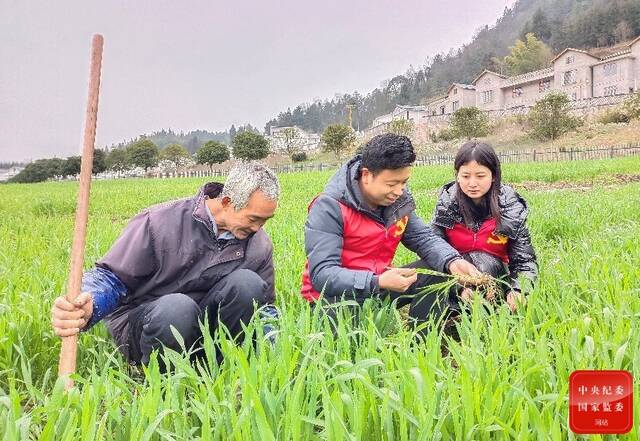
485 221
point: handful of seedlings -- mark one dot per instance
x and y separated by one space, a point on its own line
486 282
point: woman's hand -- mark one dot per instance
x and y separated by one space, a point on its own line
459 266
466 295
514 299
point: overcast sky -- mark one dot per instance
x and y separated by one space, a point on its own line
204 64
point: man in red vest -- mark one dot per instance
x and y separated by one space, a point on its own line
356 224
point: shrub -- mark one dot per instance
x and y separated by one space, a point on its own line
614 116
299 157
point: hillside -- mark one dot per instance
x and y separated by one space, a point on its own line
559 23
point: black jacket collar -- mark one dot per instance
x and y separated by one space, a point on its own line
343 186
513 210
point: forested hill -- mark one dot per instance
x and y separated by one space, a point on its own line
192 141
559 23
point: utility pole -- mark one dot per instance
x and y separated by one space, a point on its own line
350 107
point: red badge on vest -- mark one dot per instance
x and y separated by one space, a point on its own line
465 240
400 226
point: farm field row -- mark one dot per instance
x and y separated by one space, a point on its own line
507 377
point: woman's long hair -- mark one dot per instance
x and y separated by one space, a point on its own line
484 155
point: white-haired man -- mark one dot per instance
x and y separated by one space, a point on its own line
176 262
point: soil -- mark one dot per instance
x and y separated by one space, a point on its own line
607 181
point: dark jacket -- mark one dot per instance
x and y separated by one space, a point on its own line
513 211
171 248
323 235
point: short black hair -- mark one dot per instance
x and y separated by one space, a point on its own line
387 152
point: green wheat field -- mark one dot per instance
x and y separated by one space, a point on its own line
507 377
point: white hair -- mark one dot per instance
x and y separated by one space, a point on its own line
247 177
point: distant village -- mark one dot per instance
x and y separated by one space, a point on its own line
10 172
590 78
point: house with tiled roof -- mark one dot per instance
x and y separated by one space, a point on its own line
488 90
618 72
437 106
415 113
581 74
458 95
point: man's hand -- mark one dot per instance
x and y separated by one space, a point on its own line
69 318
514 299
397 279
464 268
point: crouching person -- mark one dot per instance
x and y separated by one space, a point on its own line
355 226
486 221
180 261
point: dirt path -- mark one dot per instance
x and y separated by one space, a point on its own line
606 181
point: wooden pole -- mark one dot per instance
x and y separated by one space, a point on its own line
69 347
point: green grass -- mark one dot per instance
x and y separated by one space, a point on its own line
507 378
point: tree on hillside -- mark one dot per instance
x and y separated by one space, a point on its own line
249 145
190 140
176 155
288 141
247 128
99 161
36 171
550 117
403 127
597 23
41 170
54 166
142 153
117 160
528 55
193 144
212 152
469 122
539 26
558 23
623 31
337 138
71 166
631 106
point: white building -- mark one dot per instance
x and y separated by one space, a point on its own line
303 140
581 74
8 173
458 95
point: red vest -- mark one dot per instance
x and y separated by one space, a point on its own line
367 245
464 239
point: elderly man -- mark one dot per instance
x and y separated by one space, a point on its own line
178 260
